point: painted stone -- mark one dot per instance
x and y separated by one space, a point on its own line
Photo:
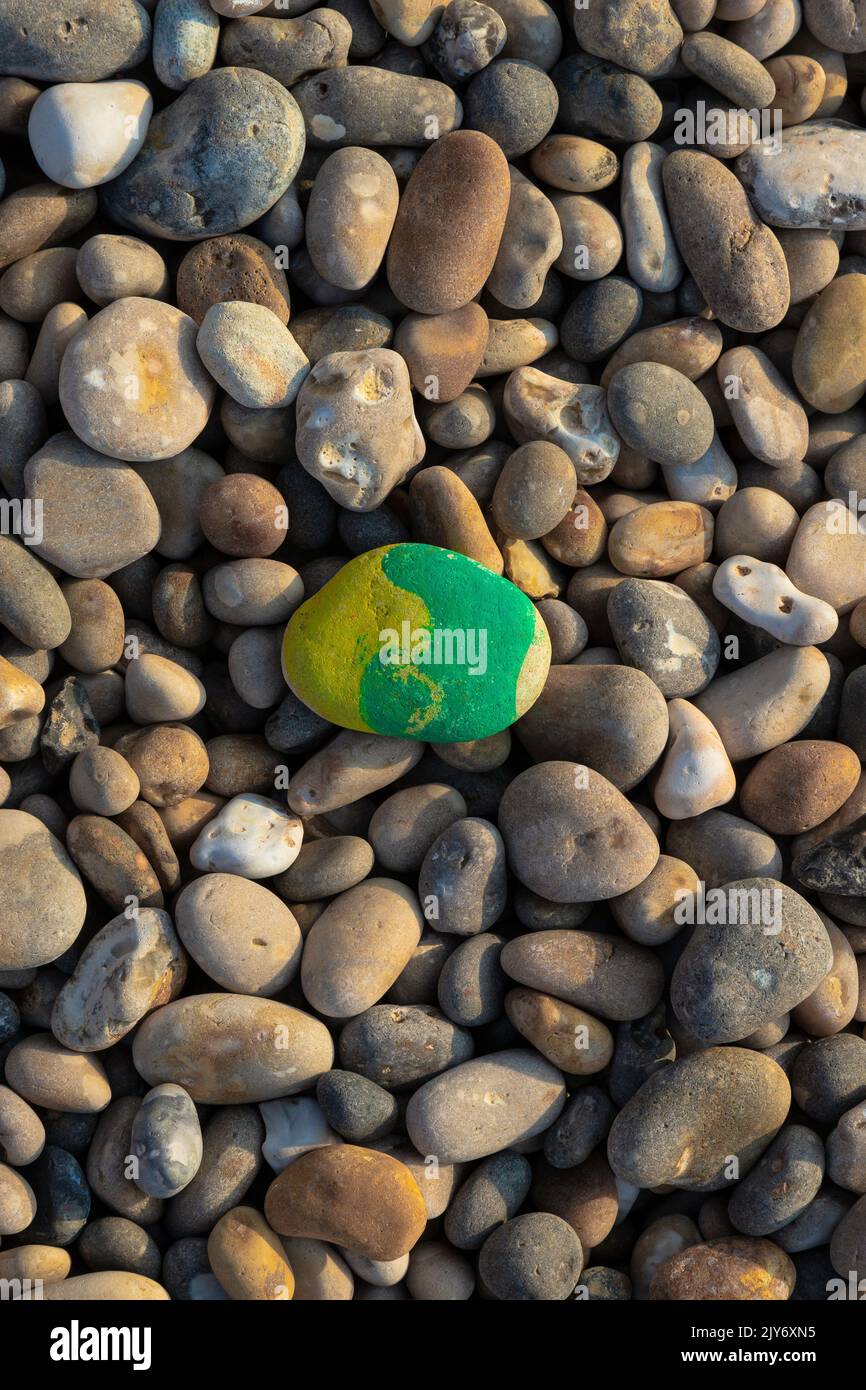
414 641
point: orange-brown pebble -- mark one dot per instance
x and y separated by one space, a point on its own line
358 1198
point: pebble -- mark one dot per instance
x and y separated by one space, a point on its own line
444 1116
763 595
357 432
350 216
166 1141
251 836
538 406
728 983
354 1197
781 693
228 269
402 1047
288 49
43 905
537 807
251 355
799 785
86 133
177 190
131 966
113 1243
113 36
662 632
22 1133
737 262
231 1158
381 919
353 687
696 773
819 159
765 410
433 272
194 1043
132 384
47 1074
652 256
185 39
692 1116
62 1199
258 959
731 1268
372 106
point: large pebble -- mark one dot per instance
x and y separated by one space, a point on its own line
485 1105
166 1141
360 105
214 160
86 133
612 718
827 558
534 1257
735 259
132 965
230 1048
765 954
252 836
692 1117
573 416
260 957
350 216
72 40
132 384
603 974
658 629
449 223
358 946
762 594
810 179
767 702
829 362
42 903
695 774
416 641
560 822
47 1074
730 1268
357 432
354 1197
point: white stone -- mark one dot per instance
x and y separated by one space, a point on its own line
696 772
251 836
538 406
85 133
763 594
293 1127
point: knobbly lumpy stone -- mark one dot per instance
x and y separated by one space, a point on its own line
417 642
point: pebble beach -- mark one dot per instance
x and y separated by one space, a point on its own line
433 651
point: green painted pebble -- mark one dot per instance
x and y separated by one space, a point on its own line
418 642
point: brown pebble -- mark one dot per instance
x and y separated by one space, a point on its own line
244 516
236 267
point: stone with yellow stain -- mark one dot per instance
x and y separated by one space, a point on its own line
734 1268
132 383
572 1040
414 641
248 1258
360 1199
20 695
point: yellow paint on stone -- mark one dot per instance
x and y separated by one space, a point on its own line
361 602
